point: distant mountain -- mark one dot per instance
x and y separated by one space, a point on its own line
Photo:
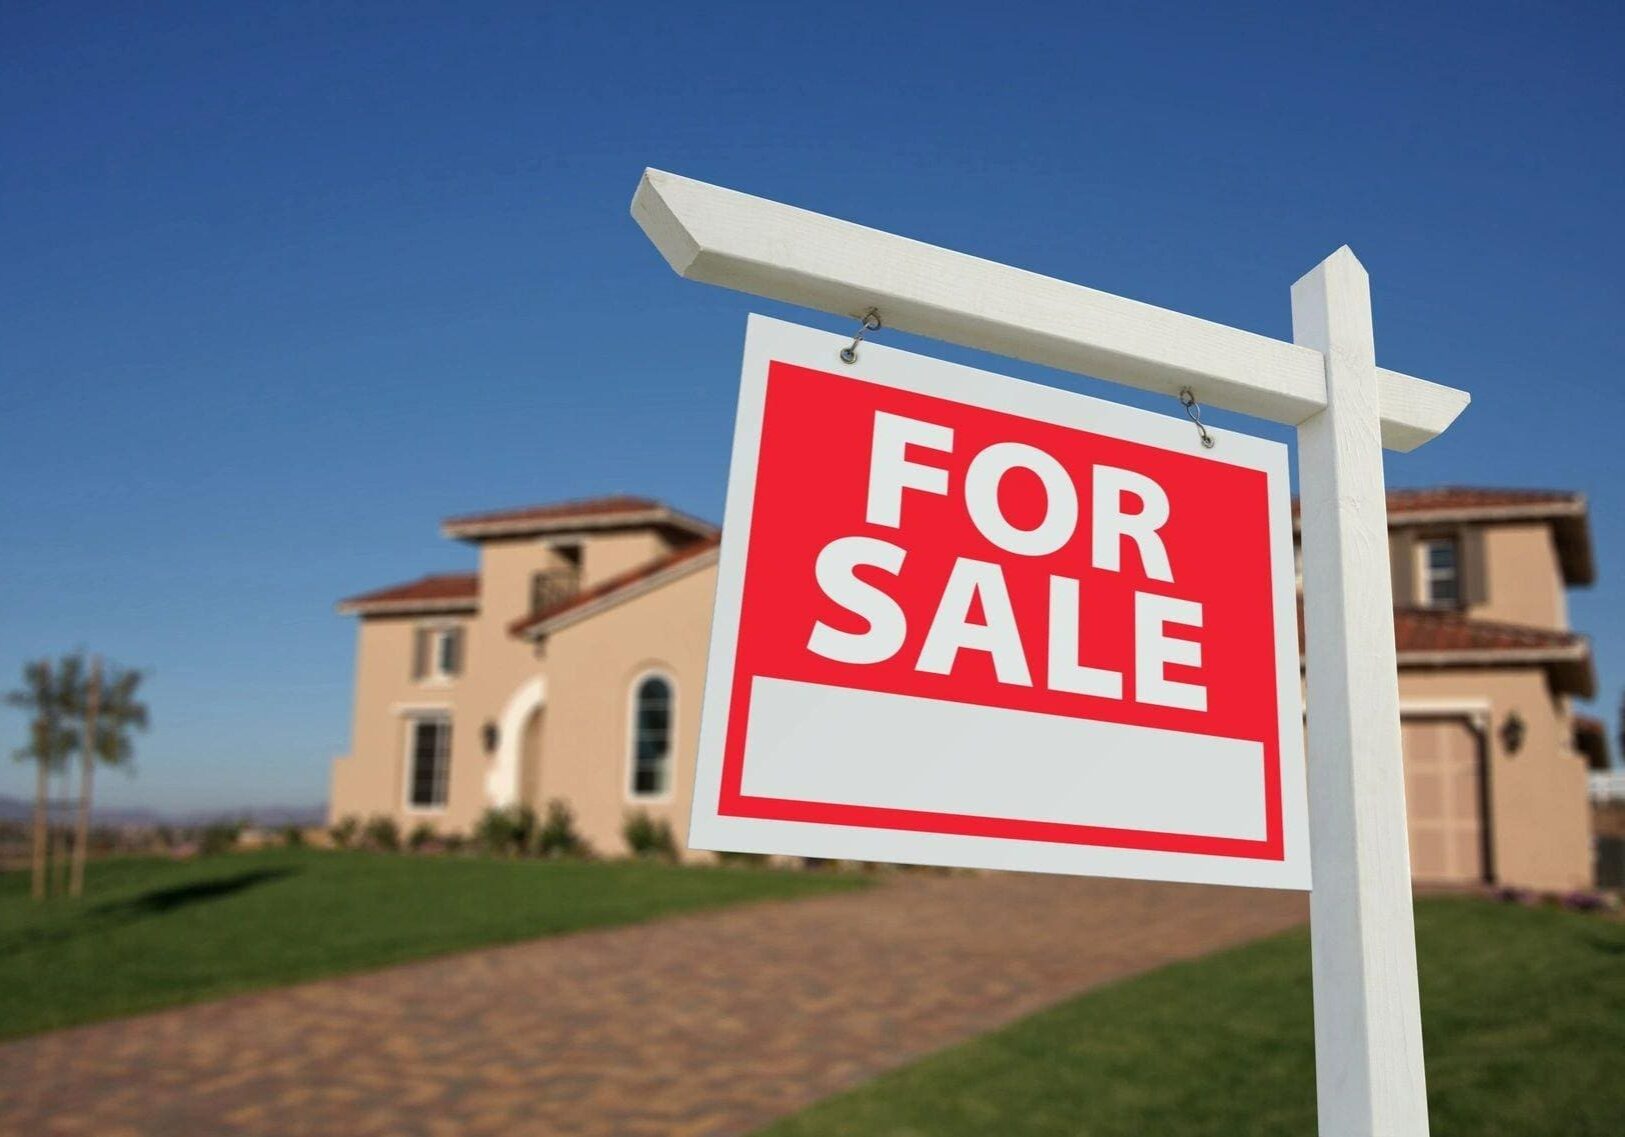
22 809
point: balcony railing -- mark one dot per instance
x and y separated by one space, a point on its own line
553 586
1608 785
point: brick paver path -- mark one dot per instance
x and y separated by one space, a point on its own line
707 1024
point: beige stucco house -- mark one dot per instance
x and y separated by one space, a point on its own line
570 664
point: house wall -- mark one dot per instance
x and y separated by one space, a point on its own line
584 754
1519 558
371 779
1539 823
610 554
1522 561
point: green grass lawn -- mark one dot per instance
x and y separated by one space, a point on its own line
150 933
1523 1012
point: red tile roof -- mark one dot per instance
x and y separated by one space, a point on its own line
547 617
1432 630
437 592
583 513
1455 498
1418 630
1428 637
1460 499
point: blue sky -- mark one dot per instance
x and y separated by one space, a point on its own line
281 286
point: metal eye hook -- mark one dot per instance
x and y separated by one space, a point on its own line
869 323
1187 399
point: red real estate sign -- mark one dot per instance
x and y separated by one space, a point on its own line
963 619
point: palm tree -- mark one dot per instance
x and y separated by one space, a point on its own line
109 711
46 694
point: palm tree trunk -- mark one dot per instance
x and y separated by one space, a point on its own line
59 839
41 829
81 842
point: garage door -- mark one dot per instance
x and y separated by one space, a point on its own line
1444 797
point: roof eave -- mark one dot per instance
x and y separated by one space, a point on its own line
1571 668
476 529
1574 552
1527 511
365 608
1591 740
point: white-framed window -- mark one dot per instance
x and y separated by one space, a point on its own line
437 652
654 709
428 761
1439 572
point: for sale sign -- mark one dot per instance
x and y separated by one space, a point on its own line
967 620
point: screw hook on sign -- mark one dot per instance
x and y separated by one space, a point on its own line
1193 410
870 323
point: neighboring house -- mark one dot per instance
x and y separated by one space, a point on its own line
1495 767
570 666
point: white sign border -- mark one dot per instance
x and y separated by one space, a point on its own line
768 340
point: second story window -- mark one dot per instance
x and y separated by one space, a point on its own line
437 653
1440 572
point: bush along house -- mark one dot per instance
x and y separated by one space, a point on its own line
569 667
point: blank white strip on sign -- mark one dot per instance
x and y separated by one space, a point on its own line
809 742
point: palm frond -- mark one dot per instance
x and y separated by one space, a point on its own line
57 695
119 712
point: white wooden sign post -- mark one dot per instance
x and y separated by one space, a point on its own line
1368 1045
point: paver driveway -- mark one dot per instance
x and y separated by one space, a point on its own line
706 1024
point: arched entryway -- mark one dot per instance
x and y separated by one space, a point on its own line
504 781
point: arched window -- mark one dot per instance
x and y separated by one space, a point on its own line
651 736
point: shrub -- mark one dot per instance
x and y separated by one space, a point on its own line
506 831
344 831
647 837
558 837
494 831
220 837
421 837
453 842
293 837
732 858
524 827
383 834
